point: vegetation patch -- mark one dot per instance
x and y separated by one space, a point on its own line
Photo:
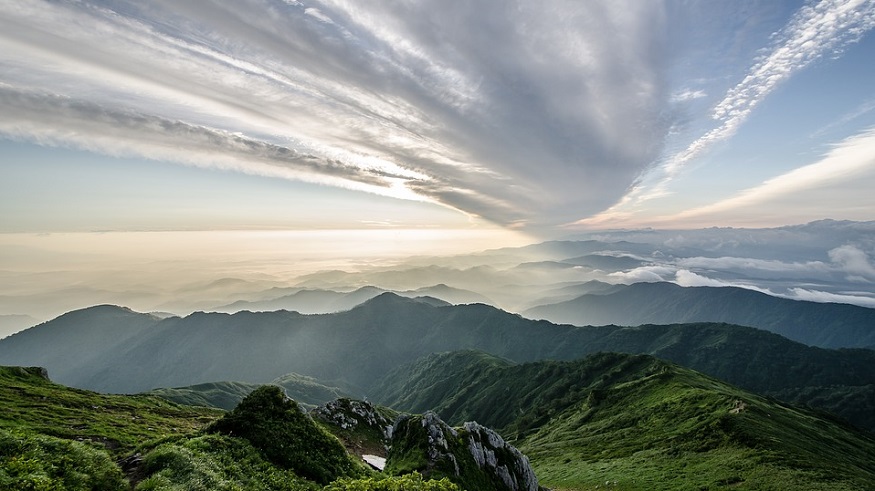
287 437
216 462
44 463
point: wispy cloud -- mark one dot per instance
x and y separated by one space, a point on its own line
844 163
517 112
814 31
864 108
688 95
827 297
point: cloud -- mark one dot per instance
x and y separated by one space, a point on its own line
685 277
642 274
689 279
864 108
688 95
814 30
52 120
767 268
853 261
845 163
517 112
826 297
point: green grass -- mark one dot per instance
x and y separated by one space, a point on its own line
44 463
222 395
681 430
118 423
642 423
54 438
216 462
287 437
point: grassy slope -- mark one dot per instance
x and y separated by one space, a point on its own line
29 402
53 437
307 391
644 424
679 430
223 395
357 347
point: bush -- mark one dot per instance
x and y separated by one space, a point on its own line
43 463
215 462
409 482
287 437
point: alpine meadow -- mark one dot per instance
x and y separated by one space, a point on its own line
494 245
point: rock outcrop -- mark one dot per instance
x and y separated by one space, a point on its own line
363 427
493 455
473 456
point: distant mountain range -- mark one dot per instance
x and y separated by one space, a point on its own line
114 349
321 301
828 325
12 323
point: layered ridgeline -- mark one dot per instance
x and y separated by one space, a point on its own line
635 422
828 325
54 437
306 391
111 349
323 301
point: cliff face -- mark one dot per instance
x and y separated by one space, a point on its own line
495 456
472 456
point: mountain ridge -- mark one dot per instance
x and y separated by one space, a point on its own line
827 325
625 419
357 347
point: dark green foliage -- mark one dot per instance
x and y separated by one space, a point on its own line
856 404
216 462
307 391
360 346
407 482
222 395
43 463
287 437
646 424
468 385
32 403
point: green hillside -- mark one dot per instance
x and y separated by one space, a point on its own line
30 402
222 395
636 422
307 391
55 438
354 349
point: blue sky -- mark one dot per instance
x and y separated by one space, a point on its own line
539 117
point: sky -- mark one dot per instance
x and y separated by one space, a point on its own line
437 126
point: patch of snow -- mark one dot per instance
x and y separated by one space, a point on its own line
375 461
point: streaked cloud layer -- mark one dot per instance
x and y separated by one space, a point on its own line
529 115
516 116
